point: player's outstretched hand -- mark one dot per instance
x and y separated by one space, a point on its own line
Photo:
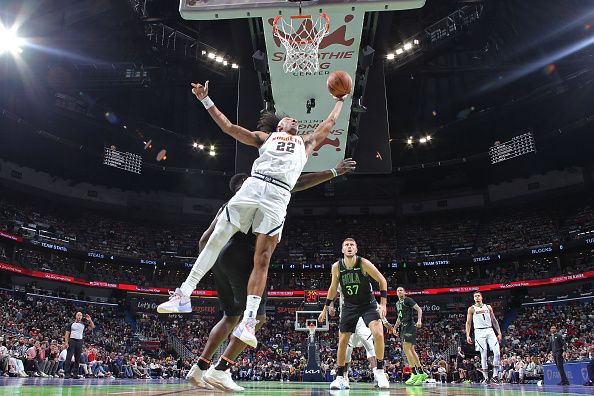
88 317
419 324
322 316
341 99
469 340
347 165
199 90
499 337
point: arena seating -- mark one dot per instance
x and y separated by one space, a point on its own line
306 240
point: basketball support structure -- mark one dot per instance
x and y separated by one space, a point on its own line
313 371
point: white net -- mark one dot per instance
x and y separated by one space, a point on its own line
312 331
301 36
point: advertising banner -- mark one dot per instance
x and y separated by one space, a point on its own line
15 238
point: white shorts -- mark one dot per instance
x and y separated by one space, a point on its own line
362 338
259 205
484 338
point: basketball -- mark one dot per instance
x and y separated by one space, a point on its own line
339 83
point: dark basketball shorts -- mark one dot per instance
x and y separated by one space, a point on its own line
231 275
352 312
408 333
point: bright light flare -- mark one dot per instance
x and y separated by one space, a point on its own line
9 41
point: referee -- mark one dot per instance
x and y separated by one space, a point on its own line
73 341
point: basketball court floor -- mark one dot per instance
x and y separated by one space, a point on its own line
47 387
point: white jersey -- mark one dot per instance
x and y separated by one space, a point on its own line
484 336
282 157
481 319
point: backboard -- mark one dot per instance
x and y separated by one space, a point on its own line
339 49
230 9
305 318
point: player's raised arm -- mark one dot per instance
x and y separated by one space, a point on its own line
312 141
372 271
313 179
469 324
332 292
239 133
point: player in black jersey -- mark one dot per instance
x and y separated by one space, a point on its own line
353 273
408 332
231 273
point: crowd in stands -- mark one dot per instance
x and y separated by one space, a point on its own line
383 239
312 240
32 329
575 321
32 343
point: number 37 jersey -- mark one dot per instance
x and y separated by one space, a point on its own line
282 157
355 286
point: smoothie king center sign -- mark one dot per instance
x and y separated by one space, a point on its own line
339 50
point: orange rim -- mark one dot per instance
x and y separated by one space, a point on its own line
275 30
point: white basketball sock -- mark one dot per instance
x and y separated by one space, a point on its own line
251 306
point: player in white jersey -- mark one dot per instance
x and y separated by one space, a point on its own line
260 204
362 337
481 317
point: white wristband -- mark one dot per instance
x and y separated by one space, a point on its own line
334 172
207 102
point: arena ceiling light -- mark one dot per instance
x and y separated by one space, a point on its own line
10 41
408 46
443 30
219 59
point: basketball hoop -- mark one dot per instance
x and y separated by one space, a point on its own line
301 36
